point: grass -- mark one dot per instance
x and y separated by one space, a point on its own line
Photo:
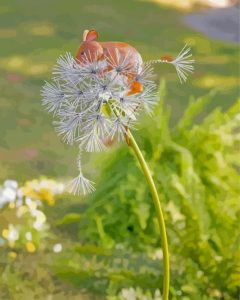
33 34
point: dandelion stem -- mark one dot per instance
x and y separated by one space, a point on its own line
166 272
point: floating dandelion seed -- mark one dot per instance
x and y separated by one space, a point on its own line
183 63
98 96
80 184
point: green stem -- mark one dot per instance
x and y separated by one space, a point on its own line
166 273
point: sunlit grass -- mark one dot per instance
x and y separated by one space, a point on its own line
39 29
217 81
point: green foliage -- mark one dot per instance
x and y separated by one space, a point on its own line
196 168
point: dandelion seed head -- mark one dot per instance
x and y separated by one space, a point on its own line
89 98
99 95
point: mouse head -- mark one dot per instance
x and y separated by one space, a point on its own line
90 49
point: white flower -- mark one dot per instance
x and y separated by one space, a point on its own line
138 293
28 236
11 234
2 200
19 202
129 294
40 219
158 254
7 195
32 204
11 184
49 184
57 248
44 183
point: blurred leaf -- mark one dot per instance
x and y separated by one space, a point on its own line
69 219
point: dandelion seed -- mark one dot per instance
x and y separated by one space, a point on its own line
148 98
92 141
91 67
127 104
119 128
53 96
146 74
119 63
69 128
81 185
67 69
182 63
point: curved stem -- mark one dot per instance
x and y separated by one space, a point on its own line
166 273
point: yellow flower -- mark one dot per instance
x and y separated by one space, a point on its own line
11 235
5 233
43 189
42 194
12 254
30 247
22 210
46 195
11 205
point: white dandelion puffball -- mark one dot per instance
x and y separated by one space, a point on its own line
93 101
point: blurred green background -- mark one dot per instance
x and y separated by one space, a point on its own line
111 248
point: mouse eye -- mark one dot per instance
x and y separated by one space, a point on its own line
82 53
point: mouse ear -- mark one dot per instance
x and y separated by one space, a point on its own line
90 35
